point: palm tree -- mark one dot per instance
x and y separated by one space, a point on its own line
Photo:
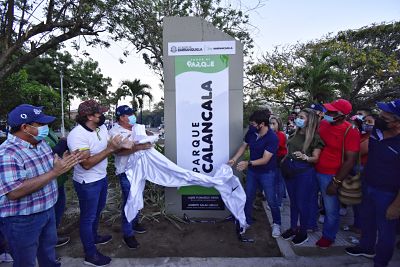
137 91
321 77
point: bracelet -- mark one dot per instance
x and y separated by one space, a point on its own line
336 181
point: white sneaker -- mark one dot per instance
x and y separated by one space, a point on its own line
321 219
276 230
5 257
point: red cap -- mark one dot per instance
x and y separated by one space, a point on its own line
341 105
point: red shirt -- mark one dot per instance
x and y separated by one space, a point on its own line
330 159
282 149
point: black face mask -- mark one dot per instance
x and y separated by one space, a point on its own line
102 119
381 124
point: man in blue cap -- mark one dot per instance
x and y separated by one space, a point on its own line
319 109
380 207
28 188
126 119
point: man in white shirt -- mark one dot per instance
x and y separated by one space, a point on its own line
90 176
126 119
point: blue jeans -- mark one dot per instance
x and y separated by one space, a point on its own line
92 199
59 207
31 236
300 195
332 206
313 205
125 188
267 182
280 187
374 224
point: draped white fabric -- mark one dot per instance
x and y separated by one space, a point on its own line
153 166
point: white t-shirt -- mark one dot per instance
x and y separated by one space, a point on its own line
120 161
96 141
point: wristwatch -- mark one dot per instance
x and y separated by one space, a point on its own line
249 163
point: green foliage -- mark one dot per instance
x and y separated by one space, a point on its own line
140 22
359 65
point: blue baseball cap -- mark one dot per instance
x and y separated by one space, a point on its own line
391 107
318 107
27 114
124 110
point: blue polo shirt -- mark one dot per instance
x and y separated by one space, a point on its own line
382 170
268 142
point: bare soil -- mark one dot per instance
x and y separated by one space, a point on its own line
163 239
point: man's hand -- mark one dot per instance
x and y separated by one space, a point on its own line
231 162
115 143
392 212
63 165
145 146
332 189
241 166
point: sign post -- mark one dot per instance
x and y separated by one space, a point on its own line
203 108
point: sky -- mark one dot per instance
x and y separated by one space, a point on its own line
276 22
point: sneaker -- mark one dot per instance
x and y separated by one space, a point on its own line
61 241
276 230
289 234
300 239
5 257
324 243
139 228
97 260
321 219
131 242
102 239
356 251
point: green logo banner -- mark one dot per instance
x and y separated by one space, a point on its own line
204 64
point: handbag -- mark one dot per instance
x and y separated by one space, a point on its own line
350 193
289 172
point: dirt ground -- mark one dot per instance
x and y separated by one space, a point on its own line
163 239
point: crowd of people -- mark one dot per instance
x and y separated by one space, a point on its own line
320 147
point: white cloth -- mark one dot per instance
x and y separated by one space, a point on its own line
95 141
120 161
153 166
139 135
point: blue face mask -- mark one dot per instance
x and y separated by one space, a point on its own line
132 120
367 128
299 122
43 131
329 119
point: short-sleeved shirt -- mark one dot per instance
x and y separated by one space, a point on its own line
20 161
96 141
282 149
257 145
295 143
330 159
382 169
120 161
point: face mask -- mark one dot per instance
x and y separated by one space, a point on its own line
329 119
102 120
367 128
132 120
381 124
43 131
253 129
297 110
299 122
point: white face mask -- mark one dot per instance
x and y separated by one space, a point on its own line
297 110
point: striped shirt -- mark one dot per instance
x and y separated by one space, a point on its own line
19 161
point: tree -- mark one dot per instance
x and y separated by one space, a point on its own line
137 91
359 65
140 22
30 28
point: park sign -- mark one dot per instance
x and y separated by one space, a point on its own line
203 70
202 121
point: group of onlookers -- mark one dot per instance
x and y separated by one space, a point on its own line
324 147
33 164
